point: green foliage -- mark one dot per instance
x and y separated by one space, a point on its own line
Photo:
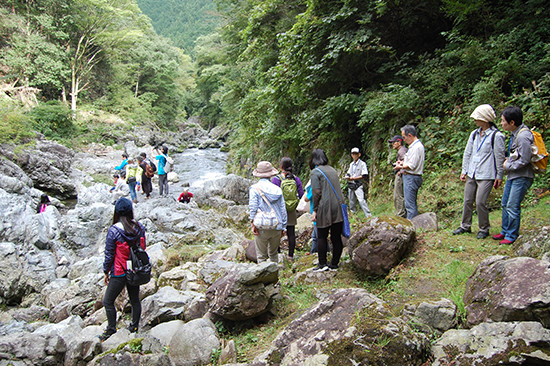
15 125
53 119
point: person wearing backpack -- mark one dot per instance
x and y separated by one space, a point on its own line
146 183
163 170
356 175
124 231
481 169
520 173
292 189
268 218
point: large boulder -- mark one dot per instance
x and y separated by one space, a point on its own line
166 304
350 326
194 344
381 244
508 289
232 187
502 343
49 167
244 293
535 246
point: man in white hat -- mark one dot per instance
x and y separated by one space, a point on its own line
356 175
268 215
481 169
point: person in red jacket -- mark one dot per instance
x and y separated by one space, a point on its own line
124 231
185 196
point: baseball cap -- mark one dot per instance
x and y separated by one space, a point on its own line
355 150
396 138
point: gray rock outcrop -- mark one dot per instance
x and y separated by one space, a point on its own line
380 244
245 292
194 344
508 289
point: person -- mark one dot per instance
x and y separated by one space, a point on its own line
185 196
146 184
133 178
162 173
265 196
121 187
115 180
122 165
327 211
517 165
44 202
398 195
356 175
124 231
292 216
481 169
413 167
309 198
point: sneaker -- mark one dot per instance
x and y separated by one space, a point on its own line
320 268
106 334
461 230
498 237
132 328
482 234
505 242
332 267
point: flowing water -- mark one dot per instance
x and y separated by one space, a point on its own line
197 166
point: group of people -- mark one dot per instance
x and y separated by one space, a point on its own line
485 161
135 174
325 195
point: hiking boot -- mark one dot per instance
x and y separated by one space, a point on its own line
461 230
106 334
132 328
498 237
332 267
320 268
482 234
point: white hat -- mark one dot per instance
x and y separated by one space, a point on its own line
484 113
355 150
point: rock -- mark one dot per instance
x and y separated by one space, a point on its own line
244 293
381 244
500 343
34 349
535 246
508 289
164 332
309 277
194 343
213 270
31 314
350 326
12 287
232 187
440 315
165 305
426 221
229 353
177 277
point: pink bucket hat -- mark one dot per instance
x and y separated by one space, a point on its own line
264 170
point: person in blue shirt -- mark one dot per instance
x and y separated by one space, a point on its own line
123 164
161 171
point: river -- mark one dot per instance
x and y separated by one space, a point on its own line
197 166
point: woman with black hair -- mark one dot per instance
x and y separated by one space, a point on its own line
124 231
44 202
327 209
295 189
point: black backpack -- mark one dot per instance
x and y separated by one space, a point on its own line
140 273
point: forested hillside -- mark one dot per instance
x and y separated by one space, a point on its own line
97 54
292 75
182 21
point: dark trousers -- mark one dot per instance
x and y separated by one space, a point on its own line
291 235
114 288
163 184
146 185
335 238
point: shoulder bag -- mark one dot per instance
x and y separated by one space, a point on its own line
346 231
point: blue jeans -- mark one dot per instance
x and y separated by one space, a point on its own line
411 185
514 193
133 193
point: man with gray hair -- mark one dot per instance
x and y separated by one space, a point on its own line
412 167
